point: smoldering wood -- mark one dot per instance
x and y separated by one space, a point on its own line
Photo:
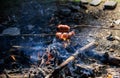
73 57
104 58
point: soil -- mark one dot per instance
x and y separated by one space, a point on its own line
94 15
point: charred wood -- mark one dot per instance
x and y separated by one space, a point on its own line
72 58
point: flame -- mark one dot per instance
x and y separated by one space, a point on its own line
13 57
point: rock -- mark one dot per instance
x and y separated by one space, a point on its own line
64 11
111 50
75 8
110 4
95 2
117 22
110 37
84 1
11 31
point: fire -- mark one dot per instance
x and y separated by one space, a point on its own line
13 57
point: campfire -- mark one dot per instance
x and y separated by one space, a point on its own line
61 56
59 60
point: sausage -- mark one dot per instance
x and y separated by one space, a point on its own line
70 34
64 36
58 35
63 28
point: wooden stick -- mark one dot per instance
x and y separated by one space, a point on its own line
83 49
27 35
90 26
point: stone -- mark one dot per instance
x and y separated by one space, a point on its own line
11 31
84 1
117 22
95 2
110 4
75 8
111 50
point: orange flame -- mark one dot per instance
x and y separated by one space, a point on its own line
13 57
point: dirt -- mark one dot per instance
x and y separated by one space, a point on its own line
104 18
94 15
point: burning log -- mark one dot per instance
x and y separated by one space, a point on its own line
71 58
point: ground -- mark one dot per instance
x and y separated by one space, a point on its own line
105 19
29 21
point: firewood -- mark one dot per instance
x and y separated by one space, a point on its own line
72 57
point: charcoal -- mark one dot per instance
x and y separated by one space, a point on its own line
64 11
110 5
95 2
